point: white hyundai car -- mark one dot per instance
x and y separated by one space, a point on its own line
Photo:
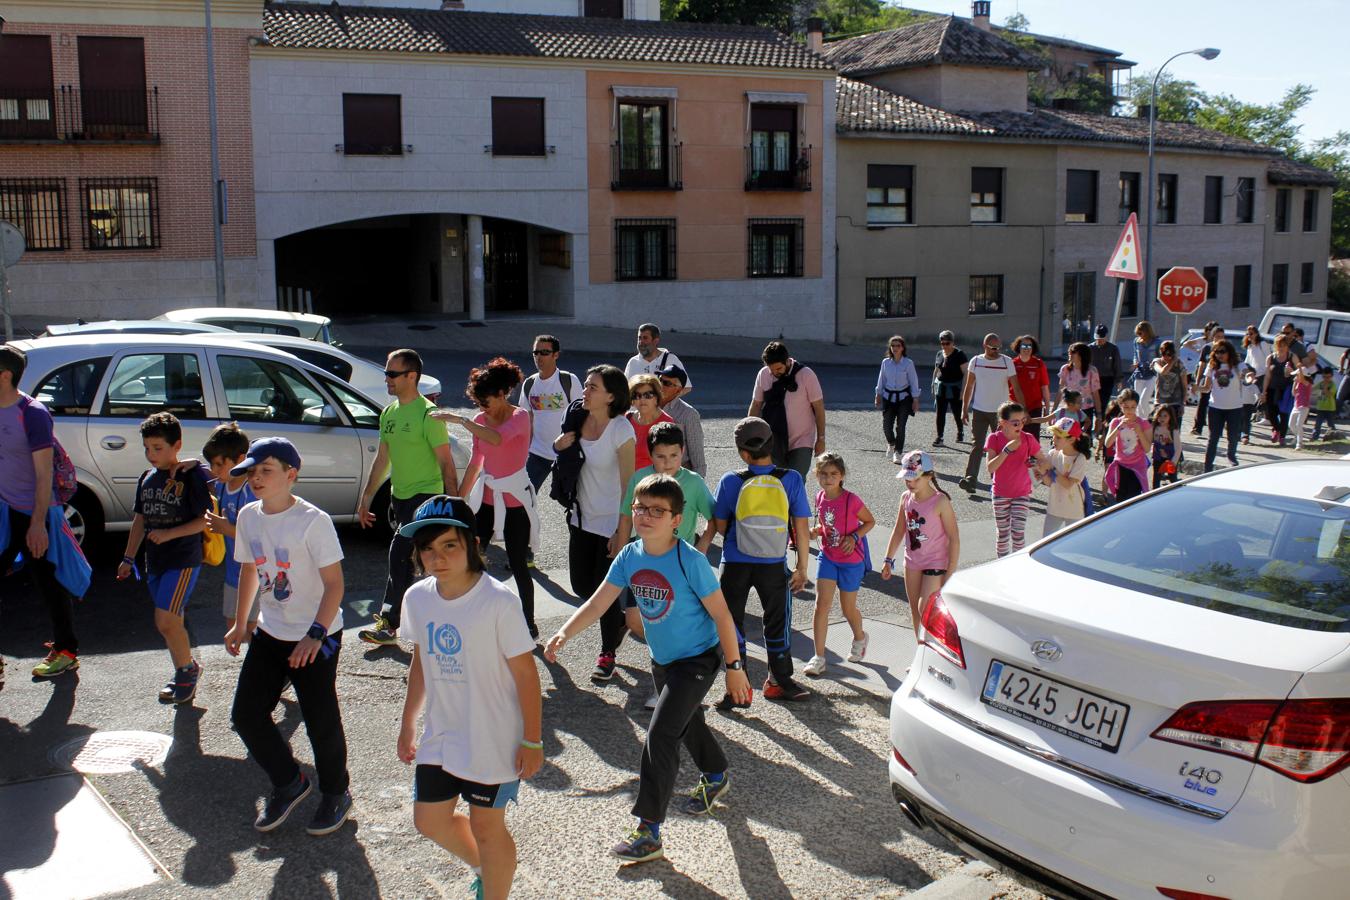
1155 702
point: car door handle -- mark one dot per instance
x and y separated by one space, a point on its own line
113 442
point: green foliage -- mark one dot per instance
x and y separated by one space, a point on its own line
1092 92
1333 154
1338 290
1271 124
771 13
849 17
1178 100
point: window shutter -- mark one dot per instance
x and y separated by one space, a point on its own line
517 126
986 180
603 9
773 118
890 177
372 124
25 65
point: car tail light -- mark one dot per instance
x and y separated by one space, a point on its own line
895 751
1179 894
1306 740
940 630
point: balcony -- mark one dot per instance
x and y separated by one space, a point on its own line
97 115
27 116
648 166
764 171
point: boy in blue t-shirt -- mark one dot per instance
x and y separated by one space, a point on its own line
170 510
224 449
689 631
768 575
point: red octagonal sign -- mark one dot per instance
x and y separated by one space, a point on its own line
1182 290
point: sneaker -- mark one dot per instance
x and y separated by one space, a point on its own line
332 812
182 687
937 441
529 564
700 802
651 702
476 887
859 649
967 484
380 633
960 437
639 847
604 668
282 801
57 661
786 689
895 457
728 703
815 667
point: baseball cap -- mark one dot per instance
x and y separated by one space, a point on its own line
439 510
277 448
753 435
1068 428
673 371
1102 331
915 463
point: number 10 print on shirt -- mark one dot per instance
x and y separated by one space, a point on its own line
443 646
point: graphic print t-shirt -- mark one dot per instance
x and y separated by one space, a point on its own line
669 590
548 402
473 725
167 501
289 548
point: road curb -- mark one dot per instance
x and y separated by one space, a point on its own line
970 882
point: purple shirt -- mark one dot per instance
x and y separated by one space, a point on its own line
22 433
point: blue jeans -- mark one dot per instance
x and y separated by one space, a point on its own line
537 469
1221 420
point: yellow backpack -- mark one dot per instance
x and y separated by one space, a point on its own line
762 519
213 545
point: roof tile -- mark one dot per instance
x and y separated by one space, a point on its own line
927 42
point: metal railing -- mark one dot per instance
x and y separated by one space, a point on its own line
97 115
764 173
645 166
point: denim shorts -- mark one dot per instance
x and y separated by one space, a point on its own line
848 576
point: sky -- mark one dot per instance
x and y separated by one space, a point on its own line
1267 46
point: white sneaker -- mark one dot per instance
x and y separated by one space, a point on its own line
895 457
816 667
859 649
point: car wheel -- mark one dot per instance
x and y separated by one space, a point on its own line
84 516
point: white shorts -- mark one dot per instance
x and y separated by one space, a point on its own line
231 604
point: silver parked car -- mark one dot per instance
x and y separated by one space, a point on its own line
100 387
362 374
258 321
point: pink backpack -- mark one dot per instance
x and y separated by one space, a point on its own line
64 481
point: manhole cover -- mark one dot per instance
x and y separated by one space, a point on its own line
111 752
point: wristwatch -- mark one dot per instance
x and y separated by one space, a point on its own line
736 665
317 632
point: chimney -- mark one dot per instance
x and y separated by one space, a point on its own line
979 13
815 34
452 4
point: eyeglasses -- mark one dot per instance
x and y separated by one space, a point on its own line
644 395
1025 347
896 344
390 373
653 512
544 352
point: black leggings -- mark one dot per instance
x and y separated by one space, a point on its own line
587 565
677 719
1128 486
894 417
949 398
60 604
516 535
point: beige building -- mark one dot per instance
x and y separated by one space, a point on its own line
961 208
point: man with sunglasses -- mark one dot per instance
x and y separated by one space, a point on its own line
673 380
415 452
990 379
546 396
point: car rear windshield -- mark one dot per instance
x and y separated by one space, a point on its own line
1273 559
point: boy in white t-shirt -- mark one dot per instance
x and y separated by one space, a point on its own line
473 671
290 559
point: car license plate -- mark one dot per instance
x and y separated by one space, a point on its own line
1056 706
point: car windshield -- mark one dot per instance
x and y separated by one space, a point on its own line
1273 559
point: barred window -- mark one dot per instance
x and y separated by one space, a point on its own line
775 248
890 298
986 295
120 213
644 249
37 207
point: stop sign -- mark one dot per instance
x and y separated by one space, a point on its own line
1182 290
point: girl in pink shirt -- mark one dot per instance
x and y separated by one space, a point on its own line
1008 453
926 523
842 519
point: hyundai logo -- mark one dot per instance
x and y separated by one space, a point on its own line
1048 651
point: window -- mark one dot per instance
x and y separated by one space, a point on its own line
518 126
250 326
70 391
644 249
986 295
603 9
775 248
1129 196
37 207
1310 209
773 162
1338 332
890 298
1080 204
888 195
372 125
1312 328
1305 278
27 95
1242 286
1211 274
361 412
642 144
1167 200
1213 199
1246 199
1129 309
112 87
334 365
120 213
145 383
1279 283
1080 302
1282 210
259 390
986 194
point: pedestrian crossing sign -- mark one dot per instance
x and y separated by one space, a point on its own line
1125 261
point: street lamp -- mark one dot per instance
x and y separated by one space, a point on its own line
1203 53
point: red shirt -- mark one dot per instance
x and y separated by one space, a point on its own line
641 455
1032 377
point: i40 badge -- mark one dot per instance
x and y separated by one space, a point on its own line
1200 778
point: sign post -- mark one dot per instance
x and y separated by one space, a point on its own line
11 250
1181 291
1124 266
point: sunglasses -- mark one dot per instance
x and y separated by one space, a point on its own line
390 373
644 395
667 383
1025 347
945 343
544 352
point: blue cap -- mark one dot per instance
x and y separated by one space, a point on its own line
277 448
439 510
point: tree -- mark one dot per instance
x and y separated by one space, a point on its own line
1333 154
1273 124
770 13
1178 100
849 17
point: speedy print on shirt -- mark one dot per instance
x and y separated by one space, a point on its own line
653 594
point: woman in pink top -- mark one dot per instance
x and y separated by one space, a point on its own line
1078 374
926 523
501 444
645 390
1008 453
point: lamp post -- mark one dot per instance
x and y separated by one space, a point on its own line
1204 53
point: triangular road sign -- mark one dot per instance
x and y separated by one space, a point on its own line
1125 261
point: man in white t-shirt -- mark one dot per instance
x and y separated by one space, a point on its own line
546 396
651 356
989 377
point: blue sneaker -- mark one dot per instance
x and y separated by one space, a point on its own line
183 686
700 802
639 847
476 887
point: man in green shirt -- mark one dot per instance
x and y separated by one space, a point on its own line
415 451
